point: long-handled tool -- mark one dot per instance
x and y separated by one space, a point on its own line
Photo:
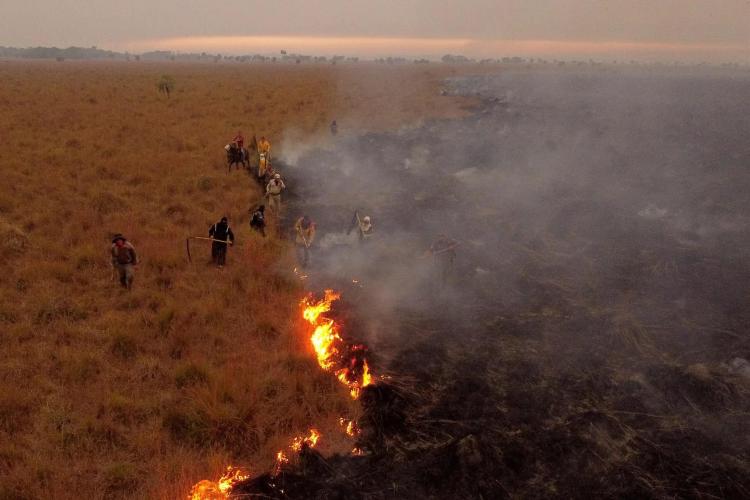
307 245
356 222
432 253
446 249
187 243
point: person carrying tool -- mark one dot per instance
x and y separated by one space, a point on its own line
264 147
364 226
443 251
273 193
124 260
305 229
258 220
222 236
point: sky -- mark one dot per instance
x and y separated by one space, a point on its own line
712 30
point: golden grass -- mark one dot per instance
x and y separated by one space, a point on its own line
108 394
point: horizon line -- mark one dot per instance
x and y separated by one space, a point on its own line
434 46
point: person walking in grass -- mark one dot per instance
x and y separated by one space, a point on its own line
264 147
305 234
223 236
124 260
239 142
273 193
258 220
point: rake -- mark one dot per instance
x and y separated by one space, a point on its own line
187 244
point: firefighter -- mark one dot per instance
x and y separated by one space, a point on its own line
443 250
273 193
264 147
124 260
239 142
223 236
258 220
305 235
365 228
363 225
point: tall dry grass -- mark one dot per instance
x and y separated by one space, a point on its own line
110 394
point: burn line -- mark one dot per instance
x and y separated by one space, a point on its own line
330 350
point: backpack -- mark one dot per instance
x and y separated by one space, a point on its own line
123 255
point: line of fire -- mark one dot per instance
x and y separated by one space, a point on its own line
348 363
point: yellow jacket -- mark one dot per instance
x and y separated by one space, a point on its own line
304 236
264 146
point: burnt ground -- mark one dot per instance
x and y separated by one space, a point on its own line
585 341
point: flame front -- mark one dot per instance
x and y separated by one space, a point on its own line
348 365
349 426
330 348
298 443
218 490
310 440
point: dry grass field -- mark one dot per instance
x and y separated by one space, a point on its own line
106 393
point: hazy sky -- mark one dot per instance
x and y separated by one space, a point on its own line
691 28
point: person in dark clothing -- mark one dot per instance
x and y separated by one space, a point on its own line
258 220
223 236
334 128
124 260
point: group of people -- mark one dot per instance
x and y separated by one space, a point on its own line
125 258
263 146
222 237
275 185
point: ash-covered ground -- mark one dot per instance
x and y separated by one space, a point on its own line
591 338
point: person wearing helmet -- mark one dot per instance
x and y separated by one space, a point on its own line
363 225
264 147
365 228
273 193
222 236
124 260
305 235
264 156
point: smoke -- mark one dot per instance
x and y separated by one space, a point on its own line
602 219
578 173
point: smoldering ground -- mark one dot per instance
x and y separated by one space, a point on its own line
588 337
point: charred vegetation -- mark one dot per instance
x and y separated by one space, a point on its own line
582 344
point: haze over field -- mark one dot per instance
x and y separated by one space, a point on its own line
551 300
690 30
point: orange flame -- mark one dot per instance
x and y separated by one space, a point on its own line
349 426
310 440
281 459
219 490
329 348
329 345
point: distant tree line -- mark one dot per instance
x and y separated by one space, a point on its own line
61 54
78 53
